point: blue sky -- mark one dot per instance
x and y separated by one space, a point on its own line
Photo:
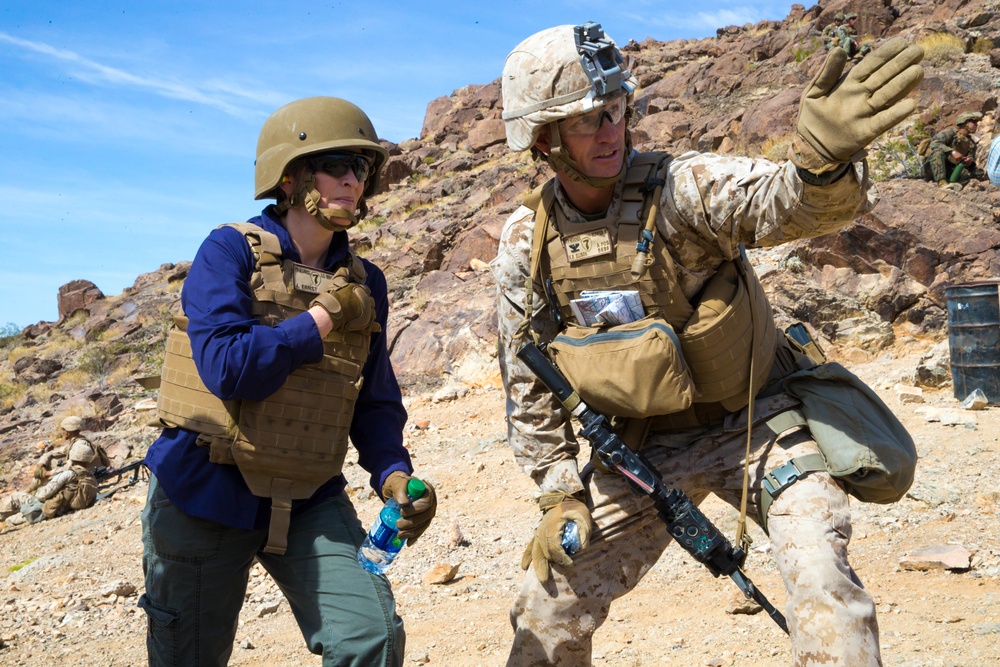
128 129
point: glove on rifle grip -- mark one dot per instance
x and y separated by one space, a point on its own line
546 543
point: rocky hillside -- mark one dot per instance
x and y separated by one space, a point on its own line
880 283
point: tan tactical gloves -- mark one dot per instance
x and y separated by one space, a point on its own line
417 514
351 307
546 544
840 114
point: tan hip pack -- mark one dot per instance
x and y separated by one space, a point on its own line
629 370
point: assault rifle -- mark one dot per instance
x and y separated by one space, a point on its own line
687 524
103 473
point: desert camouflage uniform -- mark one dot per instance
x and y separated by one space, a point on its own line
57 494
56 457
711 205
939 164
846 38
12 505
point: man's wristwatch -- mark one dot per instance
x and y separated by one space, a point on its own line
826 178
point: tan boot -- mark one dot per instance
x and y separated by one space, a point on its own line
955 187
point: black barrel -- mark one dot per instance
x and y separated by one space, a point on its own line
974 338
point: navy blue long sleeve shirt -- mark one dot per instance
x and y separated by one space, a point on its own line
238 358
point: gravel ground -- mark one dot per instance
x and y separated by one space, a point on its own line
69 586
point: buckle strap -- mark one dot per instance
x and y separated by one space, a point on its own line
782 477
281 515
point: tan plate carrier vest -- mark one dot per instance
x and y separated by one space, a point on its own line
295 440
78 493
730 323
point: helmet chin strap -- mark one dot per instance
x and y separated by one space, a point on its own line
560 160
307 196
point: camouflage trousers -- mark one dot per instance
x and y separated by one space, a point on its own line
939 166
11 507
831 618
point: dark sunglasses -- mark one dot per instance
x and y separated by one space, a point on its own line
337 164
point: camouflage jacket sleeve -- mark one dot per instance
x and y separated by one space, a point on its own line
538 427
943 141
55 484
714 203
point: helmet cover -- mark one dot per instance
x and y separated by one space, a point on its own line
81 452
559 73
964 118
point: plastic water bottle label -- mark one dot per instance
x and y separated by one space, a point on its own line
386 538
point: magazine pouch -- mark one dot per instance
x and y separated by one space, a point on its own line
631 370
865 445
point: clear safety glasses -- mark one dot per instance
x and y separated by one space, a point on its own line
590 123
337 164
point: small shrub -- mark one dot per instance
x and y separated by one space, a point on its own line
100 360
894 155
19 352
10 333
942 48
71 380
15 568
982 45
60 344
775 149
419 299
371 223
805 49
123 372
11 393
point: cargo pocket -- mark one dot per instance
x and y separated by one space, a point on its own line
161 632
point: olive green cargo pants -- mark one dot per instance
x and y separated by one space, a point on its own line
196 579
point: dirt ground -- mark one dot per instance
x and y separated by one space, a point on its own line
69 586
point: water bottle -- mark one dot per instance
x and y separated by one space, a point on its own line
382 544
570 538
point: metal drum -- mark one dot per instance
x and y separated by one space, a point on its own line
974 338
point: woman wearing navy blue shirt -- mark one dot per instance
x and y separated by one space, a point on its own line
203 527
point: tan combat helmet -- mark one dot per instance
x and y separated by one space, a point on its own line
71 424
839 17
964 118
560 73
313 126
81 452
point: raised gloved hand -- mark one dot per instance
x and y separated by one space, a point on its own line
417 514
546 543
840 114
351 306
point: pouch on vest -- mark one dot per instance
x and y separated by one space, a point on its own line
628 370
730 326
864 444
85 493
923 146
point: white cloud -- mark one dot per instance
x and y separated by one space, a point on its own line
93 72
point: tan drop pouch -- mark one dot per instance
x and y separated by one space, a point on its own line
628 370
865 446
